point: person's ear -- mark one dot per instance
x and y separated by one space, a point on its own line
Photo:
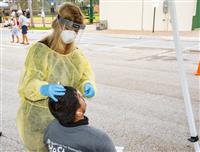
79 113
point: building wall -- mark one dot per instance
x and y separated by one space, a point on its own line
196 18
121 15
129 15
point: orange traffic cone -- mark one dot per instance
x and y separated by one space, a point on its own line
198 70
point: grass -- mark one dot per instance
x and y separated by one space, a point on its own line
38 19
48 19
40 28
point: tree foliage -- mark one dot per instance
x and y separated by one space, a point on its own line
36 4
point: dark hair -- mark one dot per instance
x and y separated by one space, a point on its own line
64 110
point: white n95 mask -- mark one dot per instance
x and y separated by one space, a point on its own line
68 36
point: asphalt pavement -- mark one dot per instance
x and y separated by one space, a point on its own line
139 101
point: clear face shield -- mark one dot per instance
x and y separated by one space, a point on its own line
72 30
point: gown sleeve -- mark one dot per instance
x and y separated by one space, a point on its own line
34 74
88 74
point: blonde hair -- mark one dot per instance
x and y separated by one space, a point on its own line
67 11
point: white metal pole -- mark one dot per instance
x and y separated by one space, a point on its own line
183 79
142 17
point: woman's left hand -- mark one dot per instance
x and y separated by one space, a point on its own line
88 90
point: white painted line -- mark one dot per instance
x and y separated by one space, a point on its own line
119 149
121 46
14 46
193 47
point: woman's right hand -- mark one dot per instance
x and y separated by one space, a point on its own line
52 90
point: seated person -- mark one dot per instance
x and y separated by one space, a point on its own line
70 131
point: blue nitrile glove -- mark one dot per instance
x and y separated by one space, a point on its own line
88 90
52 90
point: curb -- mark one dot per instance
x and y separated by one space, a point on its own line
167 38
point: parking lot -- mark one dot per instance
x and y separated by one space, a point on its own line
139 101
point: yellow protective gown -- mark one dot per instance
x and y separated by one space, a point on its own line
43 65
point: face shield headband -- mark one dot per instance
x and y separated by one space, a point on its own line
71 24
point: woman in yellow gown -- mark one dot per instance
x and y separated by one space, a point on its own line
53 59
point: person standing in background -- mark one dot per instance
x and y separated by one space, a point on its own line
23 21
15 27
